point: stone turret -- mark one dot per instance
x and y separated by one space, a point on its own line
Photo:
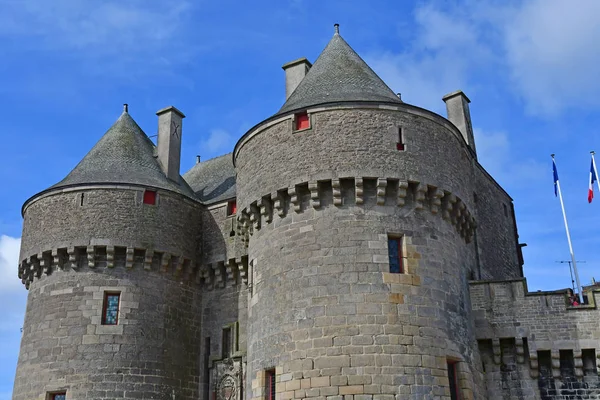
107 255
361 248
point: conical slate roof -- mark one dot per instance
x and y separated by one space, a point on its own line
339 75
124 155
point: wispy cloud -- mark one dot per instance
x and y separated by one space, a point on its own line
118 34
496 154
553 54
543 50
218 142
9 256
445 50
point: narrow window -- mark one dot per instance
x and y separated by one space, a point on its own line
453 380
505 210
400 145
588 357
81 200
150 197
110 309
270 384
226 349
57 396
567 363
395 254
206 367
231 207
545 363
302 121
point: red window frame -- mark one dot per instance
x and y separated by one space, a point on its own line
231 207
302 121
150 197
453 379
398 255
270 384
105 307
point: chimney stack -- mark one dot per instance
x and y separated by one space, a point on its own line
457 107
169 141
295 71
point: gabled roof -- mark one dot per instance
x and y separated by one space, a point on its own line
124 155
339 75
213 180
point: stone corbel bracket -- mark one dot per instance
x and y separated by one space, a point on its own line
386 192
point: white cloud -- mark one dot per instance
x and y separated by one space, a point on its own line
553 54
495 153
445 51
543 51
217 143
9 259
117 32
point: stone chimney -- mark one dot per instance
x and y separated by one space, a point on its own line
295 71
457 107
169 141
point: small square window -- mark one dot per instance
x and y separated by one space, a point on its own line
150 197
270 384
57 396
231 208
395 254
302 121
110 309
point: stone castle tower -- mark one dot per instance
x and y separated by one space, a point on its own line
350 248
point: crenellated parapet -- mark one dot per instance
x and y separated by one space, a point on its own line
181 267
357 191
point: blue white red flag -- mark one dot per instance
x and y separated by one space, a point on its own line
593 178
555 177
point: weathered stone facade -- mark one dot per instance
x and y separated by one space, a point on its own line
267 271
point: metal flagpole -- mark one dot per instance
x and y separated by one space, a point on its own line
562 205
595 169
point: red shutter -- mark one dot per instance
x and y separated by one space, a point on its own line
150 197
302 121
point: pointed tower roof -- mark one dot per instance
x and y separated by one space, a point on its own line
339 75
124 155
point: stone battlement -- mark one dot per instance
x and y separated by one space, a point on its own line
358 191
96 256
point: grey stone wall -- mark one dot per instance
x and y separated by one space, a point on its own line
354 142
112 216
153 352
511 320
220 239
73 251
496 227
324 311
227 307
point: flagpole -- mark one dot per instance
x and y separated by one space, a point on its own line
562 205
595 169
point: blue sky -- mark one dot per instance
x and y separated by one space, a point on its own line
529 67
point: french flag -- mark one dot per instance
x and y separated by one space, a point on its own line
593 178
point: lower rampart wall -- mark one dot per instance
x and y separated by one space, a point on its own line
535 345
